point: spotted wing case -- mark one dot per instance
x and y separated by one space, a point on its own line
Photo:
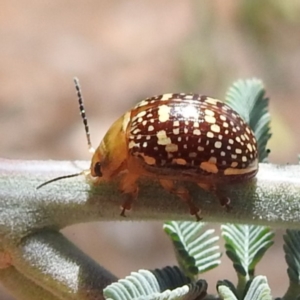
191 136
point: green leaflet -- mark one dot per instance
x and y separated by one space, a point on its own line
247 97
196 249
147 285
258 290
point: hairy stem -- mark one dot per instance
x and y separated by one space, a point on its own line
272 199
30 219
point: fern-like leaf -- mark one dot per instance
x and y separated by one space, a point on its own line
247 97
245 245
196 250
258 290
227 290
291 248
156 285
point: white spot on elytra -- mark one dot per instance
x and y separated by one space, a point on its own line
193 154
200 148
210 119
222 153
141 114
196 132
135 131
244 158
238 150
176 123
150 128
212 101
176 130
209 112
230 141
171 148
218 144
164 113
166 97
215 128
142 103
209 134
162 137
131 144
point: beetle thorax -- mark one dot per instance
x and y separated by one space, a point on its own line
112 151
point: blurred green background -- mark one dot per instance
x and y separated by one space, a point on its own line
123 51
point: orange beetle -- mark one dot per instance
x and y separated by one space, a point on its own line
175 137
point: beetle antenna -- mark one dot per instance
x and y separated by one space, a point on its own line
83 115
58 178
87 133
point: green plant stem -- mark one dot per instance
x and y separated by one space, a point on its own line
274 199
30 219
51 261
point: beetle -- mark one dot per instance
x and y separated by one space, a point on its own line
174 138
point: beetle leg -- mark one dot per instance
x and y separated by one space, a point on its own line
130 190
183 194
224 201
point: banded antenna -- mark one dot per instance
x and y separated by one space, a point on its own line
87 133
83 115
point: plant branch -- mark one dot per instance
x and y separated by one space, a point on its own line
30 219
272 199
51 261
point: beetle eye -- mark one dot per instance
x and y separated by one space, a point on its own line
97 169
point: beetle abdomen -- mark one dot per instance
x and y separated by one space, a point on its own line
192 135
